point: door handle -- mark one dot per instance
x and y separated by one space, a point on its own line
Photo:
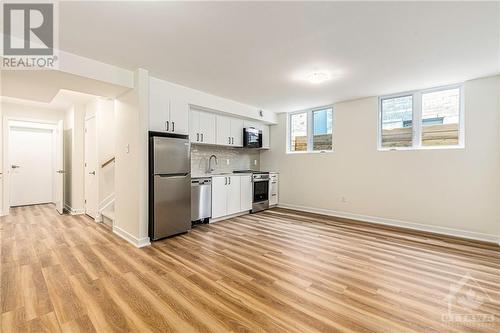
173 126
61 171
197 137
15 166
92 173
166 126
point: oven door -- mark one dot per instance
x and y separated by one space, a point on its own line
260 190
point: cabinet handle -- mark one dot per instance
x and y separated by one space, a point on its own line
166 126
229 139
201 137
225 180
197 137
232 140
173 126
229 180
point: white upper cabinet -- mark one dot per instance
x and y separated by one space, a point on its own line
166 113
223 130
159 107
229 131
179 113
236 132
202 127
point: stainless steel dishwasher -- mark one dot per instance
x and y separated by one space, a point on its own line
201 199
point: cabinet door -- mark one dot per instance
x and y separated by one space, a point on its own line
219 196
179 111
233 195
194 126
237 132
273 192
207 127
158 106
223 130
265 136
246 192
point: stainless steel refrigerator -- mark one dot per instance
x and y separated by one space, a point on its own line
170 186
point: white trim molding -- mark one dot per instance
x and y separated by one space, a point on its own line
73 211
397 223
227 217
142 242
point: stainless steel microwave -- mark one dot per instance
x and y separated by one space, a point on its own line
252 137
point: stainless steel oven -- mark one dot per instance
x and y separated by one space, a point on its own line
260 191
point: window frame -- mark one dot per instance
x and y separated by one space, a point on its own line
417 119
310 130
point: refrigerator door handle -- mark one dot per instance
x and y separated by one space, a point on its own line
174 176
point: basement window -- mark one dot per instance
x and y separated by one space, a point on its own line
310 131
423 119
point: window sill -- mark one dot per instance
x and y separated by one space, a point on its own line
310 152
423 148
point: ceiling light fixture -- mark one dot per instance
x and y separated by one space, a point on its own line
318 77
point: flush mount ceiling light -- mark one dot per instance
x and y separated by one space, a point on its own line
318 77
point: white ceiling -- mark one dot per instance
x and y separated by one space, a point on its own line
63 100
44 86
252 51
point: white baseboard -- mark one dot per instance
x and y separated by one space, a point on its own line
222 218
73 211
397 223
131 239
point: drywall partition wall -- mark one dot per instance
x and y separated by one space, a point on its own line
28 113
452 191
131 173
103 110
216 103
74 142
106 147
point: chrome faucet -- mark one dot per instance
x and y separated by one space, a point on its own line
210 168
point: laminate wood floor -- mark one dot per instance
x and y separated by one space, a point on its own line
276 271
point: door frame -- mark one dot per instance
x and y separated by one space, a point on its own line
6 125
98 217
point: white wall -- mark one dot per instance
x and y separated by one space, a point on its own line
25 112
451 191
74 136
103 111
131 166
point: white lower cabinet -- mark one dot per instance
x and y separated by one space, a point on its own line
231 195
219 196
273 189
246 192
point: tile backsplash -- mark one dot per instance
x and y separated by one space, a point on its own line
239 159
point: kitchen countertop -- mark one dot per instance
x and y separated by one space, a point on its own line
215 174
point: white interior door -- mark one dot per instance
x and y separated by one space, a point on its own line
31 163
59 167
91 165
